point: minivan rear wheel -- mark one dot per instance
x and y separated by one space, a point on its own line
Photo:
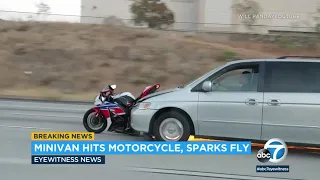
171 126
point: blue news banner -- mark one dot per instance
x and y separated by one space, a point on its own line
93 152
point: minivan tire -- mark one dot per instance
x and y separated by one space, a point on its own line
172 114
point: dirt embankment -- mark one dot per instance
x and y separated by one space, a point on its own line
74 61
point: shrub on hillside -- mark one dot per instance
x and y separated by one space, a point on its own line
155 14
247 8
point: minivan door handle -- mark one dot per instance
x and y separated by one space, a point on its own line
274 102
251 102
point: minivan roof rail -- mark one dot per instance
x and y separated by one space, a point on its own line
305 57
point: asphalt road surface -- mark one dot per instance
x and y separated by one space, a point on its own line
18 119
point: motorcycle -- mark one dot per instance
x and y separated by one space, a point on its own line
111 111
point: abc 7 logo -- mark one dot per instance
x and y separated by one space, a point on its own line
275 151
263 155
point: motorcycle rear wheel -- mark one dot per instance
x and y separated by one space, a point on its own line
94 124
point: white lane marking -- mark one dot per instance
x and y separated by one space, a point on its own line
23 127
41 108
45 115
27 161
15 161
203 174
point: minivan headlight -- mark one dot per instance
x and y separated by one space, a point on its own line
144 105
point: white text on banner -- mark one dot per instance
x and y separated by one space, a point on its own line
102 148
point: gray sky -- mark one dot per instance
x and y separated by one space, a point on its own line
67 7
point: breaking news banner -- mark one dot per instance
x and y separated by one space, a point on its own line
62 136
79 148
104 148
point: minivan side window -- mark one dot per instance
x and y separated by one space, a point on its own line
295 77
242 79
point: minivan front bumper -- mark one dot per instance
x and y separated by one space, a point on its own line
140 119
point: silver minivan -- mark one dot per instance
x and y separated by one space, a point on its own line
255 99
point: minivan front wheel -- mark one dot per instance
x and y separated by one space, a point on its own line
171 126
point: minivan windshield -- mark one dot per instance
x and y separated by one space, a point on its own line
194 80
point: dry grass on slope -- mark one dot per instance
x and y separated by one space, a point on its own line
74 61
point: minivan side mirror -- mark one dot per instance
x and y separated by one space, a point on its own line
207 86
